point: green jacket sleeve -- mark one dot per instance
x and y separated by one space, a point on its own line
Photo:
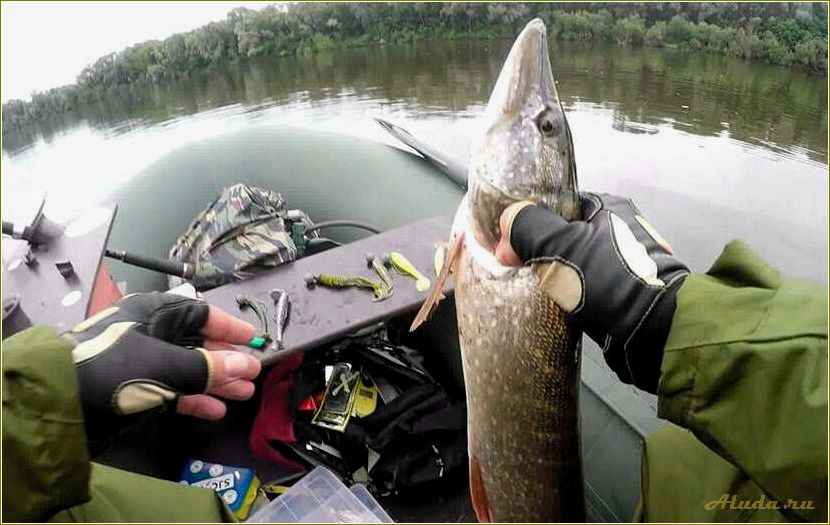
745 369
46 466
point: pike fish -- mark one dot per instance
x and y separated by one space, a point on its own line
521 358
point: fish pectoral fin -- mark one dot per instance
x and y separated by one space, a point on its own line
437 292
477 492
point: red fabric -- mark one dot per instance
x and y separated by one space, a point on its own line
275 419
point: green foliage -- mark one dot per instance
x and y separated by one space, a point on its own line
583 25
784 33
777 52
746 44
788 31
679 30
315 44
812 53
656 35
712 38
630 31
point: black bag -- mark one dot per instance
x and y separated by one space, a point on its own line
415 439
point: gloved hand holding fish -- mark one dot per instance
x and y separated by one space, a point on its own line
520 355
612 271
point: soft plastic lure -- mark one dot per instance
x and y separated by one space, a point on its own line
404 267
258 308
380 268
282 310
379 290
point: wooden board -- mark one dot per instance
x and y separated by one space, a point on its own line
320 315
46 297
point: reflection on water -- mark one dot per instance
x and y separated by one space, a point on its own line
712 147
703 94
775 107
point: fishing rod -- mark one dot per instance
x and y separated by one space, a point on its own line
166 266
45 230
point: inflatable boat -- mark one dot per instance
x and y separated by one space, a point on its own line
60 274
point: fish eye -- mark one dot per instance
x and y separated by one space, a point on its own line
546 124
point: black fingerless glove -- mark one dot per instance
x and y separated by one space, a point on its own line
626 278
136 355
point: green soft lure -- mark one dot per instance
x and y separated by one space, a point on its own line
380 290
405 267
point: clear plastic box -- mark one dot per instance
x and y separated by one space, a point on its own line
320 497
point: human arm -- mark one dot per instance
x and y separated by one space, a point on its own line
745 369
46 464
743 358
61 391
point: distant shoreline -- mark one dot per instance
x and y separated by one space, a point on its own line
787 35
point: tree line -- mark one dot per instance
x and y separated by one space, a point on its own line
784 33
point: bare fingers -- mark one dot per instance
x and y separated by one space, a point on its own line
238 390
504 250
222 326
227 366
231 378
202 406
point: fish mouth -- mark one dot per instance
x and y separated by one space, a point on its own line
525 151
526 79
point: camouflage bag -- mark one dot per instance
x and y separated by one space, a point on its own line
243 232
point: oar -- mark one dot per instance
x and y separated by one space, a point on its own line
454 170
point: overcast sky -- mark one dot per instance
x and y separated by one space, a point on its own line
46 44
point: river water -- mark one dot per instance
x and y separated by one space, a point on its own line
711 148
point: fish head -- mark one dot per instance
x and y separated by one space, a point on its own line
524 150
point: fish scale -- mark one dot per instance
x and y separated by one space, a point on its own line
522 411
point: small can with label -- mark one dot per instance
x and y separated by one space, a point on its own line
236 486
